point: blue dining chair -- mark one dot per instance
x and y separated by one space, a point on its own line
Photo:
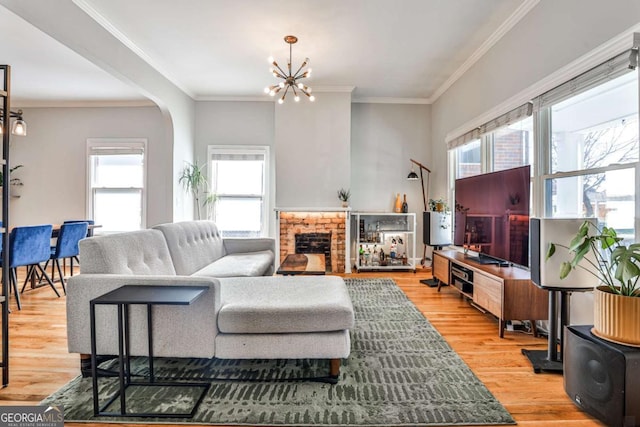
28 247
88 221
66 247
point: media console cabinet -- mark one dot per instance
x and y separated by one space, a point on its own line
505 292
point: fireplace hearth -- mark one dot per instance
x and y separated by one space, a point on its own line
315 243
326 233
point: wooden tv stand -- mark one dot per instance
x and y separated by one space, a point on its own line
505 292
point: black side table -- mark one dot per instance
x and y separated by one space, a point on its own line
123 297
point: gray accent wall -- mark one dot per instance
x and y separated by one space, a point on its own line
54 155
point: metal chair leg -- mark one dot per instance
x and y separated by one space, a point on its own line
28 277
46 276
56 262
13 278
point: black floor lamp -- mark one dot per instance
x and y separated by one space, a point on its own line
413 176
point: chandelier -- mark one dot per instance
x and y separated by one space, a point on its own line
290 81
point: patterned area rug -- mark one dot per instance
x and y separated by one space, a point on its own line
400 372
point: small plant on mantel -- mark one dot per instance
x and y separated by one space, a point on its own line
344 196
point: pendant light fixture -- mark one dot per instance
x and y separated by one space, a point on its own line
290 80
18 127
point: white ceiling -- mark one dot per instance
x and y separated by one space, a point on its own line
217 49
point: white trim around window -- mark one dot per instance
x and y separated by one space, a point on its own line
116 146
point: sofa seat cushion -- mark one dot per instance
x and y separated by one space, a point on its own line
287 304
239 265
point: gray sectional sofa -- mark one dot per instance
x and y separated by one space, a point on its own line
248 313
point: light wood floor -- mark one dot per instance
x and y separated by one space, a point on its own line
40 363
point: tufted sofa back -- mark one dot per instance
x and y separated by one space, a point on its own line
192 244
143 252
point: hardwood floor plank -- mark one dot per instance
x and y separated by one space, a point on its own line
40 363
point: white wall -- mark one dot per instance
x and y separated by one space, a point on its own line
237 123
312 142
383 139
54 157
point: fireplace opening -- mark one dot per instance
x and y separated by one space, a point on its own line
315 243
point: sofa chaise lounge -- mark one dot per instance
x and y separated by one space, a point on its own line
247 314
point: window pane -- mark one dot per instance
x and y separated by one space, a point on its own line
513 145
237 217
117 210
468 160
122 170
596 128
608 196
238 177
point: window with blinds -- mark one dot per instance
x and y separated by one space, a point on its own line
239 188
116 184
586 140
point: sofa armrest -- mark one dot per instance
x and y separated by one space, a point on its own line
179 331
243 245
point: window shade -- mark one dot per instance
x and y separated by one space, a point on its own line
115 151
237 156
505 119
614 67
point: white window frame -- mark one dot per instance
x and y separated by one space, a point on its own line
266 184
124 143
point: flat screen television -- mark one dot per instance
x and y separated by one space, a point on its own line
492 216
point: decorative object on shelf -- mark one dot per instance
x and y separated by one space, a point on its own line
405 206
617 301
290 80
18 127
194 180
344 196
438 205
397 206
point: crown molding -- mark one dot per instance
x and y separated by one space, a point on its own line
381 100
230 98
104 22
83 104
494 38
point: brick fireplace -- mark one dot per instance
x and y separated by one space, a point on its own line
326 224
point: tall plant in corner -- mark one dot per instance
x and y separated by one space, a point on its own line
194 180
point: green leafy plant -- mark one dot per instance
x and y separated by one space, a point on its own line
438 205
194 180
12 181
616 265
344 195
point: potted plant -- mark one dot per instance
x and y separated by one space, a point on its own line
14 182
344 196
194 180
438 205
617 266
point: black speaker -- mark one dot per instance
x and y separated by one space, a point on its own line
602 378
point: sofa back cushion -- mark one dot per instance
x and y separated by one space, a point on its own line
143 252
192 244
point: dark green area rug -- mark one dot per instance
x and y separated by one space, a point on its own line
400 372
